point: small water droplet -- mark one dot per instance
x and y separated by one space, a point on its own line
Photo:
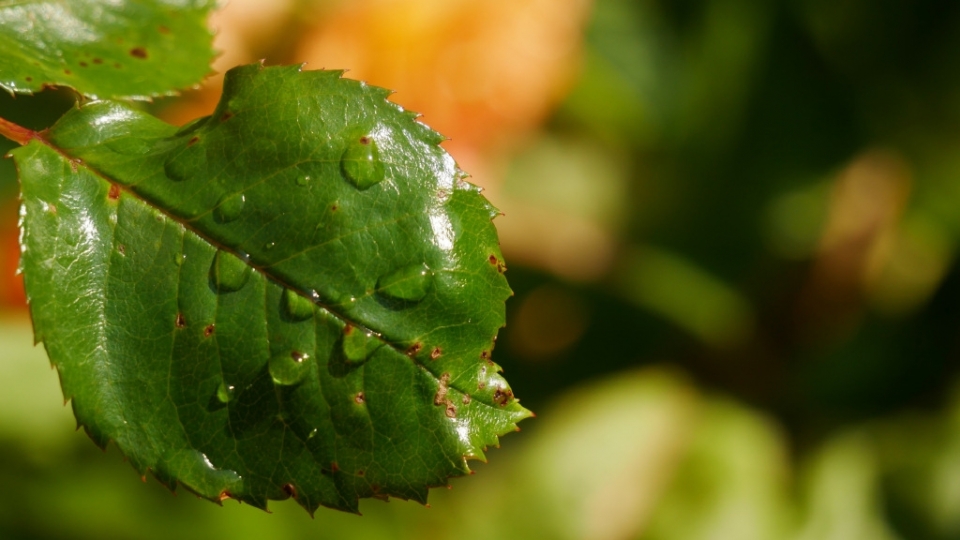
228 272
269 245
303 180
358 345
313 433
298 307
409 283
229 207
175 170
226 392
288 369
361 163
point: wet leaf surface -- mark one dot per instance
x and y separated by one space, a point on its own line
249 334
105 48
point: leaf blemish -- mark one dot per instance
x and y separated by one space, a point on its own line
414 349
180 322
502 396
193 140
360 398
208 331
83 64
114 192
290 490
441 396
122 249
98 60
138 52
226 116
435 353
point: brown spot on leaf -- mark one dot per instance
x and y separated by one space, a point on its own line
180 322
163 29
67 72
52 209
334 207
467 399
193 140
122 249
224 495
226 116
360 398
138 52
493 260
290 490
364 140
29 79
348 329
83 64
98 60
117 65
435 353
297 356
485 355
334 467
114 192
451 410
414 349
208 331
502 396
441 396
361 472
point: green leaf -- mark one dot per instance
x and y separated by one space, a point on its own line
110 49
256 308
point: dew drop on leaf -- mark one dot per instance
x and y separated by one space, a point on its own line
298 307
361 163
409 283
229 207
228 272
303 180
225 392
359 344
288 369
174 170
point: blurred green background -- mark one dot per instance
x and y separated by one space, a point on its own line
732 229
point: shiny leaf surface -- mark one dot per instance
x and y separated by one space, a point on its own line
104 48
240 314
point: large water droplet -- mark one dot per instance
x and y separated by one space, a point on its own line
298 307
228 272
359 344
226 392
288 369
229 207
361 163
409 283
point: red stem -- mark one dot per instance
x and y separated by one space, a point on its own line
17 133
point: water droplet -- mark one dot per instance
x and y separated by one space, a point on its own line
361 163
303 180
228 272
409 283
226 392
358 345
298 307
269 245
175 170
288 369
229 207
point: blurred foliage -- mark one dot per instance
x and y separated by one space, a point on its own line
733 245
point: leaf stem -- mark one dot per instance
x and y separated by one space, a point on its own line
17 133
